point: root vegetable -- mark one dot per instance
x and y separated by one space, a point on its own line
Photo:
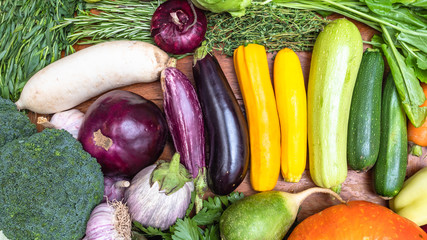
90 72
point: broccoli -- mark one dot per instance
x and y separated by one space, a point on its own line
48 187
13 124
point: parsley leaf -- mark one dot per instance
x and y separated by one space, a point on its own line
186 229
202 226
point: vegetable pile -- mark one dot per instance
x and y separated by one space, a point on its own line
101 164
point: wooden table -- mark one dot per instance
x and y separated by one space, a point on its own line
358 186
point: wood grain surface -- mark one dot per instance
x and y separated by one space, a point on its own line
358 186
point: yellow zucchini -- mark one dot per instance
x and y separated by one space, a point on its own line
292 108
253 75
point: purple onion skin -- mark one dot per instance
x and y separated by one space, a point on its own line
135 125
185 119
178 35
227 129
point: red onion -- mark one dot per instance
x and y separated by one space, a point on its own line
424 227
178 27
124 132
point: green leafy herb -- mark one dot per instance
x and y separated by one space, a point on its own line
273 26
29 41
113 20
202 226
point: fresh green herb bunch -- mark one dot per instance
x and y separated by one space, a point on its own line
202 226
27 41
113 20
273 26
48 187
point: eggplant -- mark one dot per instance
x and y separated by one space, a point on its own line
227 129
124 132
185 119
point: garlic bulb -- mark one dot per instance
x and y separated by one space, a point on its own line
114 188
109 221
160 205
70 121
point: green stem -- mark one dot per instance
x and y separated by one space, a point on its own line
200 187
171 176
200 52
416 150
367 16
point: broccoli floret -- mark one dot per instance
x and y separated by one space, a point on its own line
48 187
13 124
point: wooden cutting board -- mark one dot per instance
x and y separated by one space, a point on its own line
358 186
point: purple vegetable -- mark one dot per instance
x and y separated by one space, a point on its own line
184 118
124 132
114 188
160 194
178 27
227 129
185 121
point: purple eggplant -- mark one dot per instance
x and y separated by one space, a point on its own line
124 132
185 119
227 129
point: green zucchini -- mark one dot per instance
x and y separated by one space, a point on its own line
390 168
334 66
363 141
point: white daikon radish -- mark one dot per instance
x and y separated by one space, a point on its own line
89 72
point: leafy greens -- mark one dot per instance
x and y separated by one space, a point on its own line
202 226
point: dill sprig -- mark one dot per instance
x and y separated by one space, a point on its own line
273 26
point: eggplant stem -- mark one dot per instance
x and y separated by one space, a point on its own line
301 196
200 53
195 15
174 163
171 175
200 186
122 184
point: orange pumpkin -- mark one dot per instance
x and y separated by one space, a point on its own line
357 220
